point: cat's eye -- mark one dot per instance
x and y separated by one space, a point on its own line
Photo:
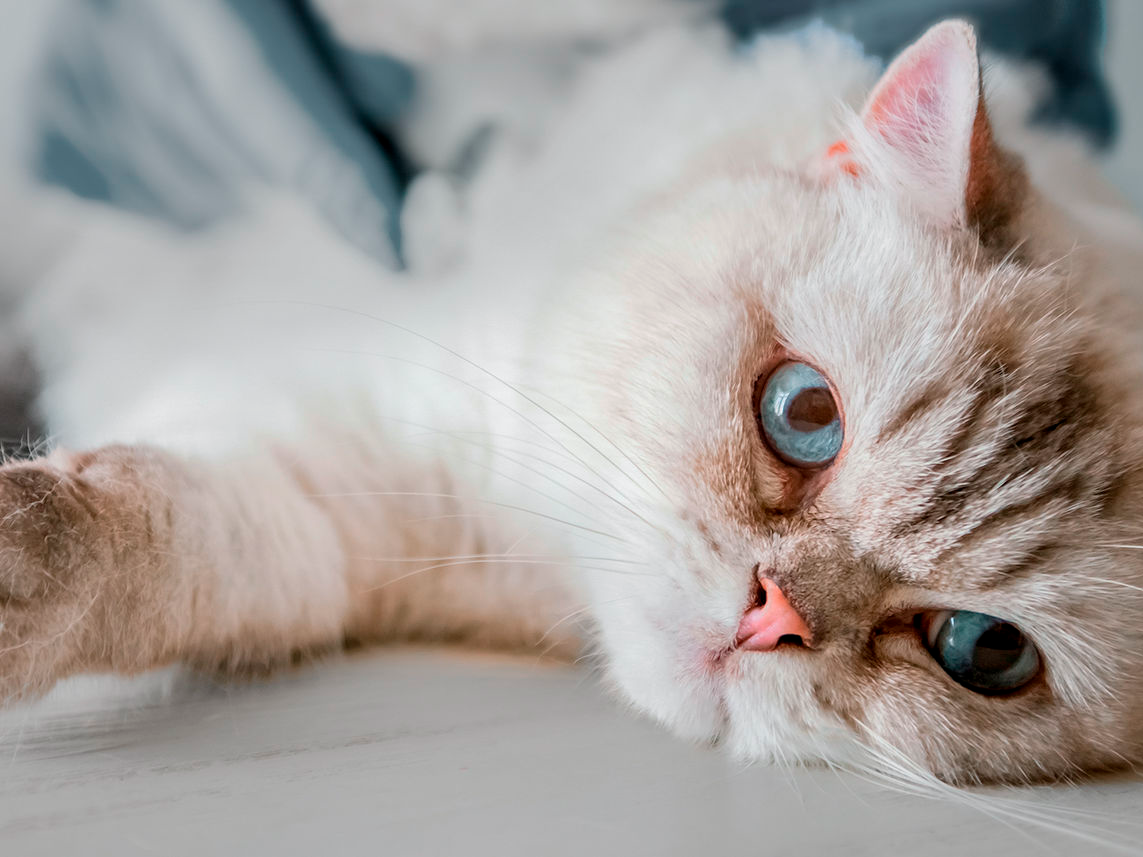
981 652
800 418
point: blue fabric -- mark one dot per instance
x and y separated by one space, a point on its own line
331 144
108 131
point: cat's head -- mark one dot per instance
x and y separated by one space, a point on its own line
882 454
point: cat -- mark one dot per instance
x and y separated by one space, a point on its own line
819 429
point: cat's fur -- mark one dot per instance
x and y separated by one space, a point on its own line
554 443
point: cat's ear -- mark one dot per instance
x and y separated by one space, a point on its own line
927 134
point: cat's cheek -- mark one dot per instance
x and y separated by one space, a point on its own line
690 708
679 687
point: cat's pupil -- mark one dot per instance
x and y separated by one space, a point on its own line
998 648
799 416
981 652
811 410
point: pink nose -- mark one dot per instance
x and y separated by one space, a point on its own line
774 620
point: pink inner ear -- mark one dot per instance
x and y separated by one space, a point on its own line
924 109
913 94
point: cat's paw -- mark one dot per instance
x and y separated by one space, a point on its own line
70 568
46 566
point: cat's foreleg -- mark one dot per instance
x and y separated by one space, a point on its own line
127 558
293 525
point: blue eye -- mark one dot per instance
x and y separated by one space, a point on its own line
981 652
800 419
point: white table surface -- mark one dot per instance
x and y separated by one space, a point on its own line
411 751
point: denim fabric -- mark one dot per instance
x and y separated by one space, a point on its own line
292 117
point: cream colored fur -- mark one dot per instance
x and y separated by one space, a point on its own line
547 440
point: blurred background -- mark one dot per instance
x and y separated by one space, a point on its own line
174 109
169 108
1124 62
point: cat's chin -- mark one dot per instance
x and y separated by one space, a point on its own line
771 714
676 684
758 707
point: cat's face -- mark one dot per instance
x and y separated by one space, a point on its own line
988 464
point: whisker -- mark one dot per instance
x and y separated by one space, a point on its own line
491 556
485 515
548 477
512 547
573 614
1119 583
890 767
458 356
533 457
441 565
595 429
441 495
520 482
482 392
591 485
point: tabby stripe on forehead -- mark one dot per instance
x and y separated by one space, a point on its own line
946 498
1113 488
1009 462
1030 561
1070 488
990 387
930 398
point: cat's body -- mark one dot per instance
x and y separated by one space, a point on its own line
554 441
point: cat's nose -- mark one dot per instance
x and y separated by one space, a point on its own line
771 622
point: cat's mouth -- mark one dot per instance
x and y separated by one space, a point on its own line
751 647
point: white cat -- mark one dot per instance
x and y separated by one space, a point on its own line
822 429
